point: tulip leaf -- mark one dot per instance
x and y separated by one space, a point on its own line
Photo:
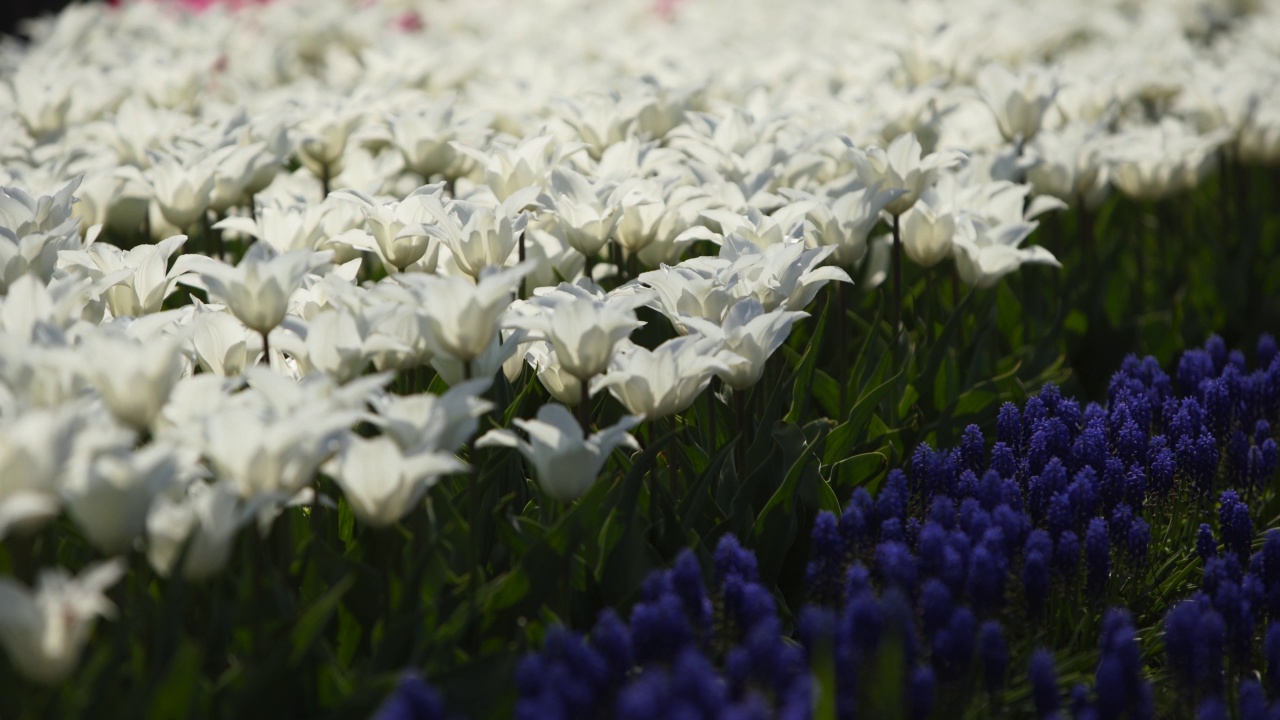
691 506
176 695
854 381
802 380
827 499
315 618
845 437
785 493
856 471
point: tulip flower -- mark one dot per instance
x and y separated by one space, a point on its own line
461 316
682 291
34 446
429 423
142 279
109 497
262 451
257 290
199 528
787 275
903 168
322 137
845 222
663 381
479 237
134 378
566 462
341 344
44 631
395 228
985 254
1018 100
380 483
750 336
562 385
585 215
182 189
223 345
930 225
428 137
284 227
582 328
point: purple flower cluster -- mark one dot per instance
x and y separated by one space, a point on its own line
685 653
925 586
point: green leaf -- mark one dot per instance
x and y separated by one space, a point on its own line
909 396
848 434
346 523
312 622
827 499
784 494
858 470
177 694
802 378
1077 322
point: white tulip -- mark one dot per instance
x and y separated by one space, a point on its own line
387 223
341 344
285 227
585 215
461 316
900 167
380 483
109 499
479 237
43 632
322 136
985 254
429 423
583 329
182 190
34 447
223 345
134 378
663 381
23 214
259 453
845 222
687 292
787 275
563 386
257 290
929 227
199 527
567 464
750 336
1017 99
425 136
143 279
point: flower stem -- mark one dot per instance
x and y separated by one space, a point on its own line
842 344
896 317
584 411
523 254
266 348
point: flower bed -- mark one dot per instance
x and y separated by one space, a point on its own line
345 340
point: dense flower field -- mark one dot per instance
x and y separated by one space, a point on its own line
637 360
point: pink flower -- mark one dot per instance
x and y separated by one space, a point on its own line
199 5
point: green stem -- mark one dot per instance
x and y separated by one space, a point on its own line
842 344
896 259
584 410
